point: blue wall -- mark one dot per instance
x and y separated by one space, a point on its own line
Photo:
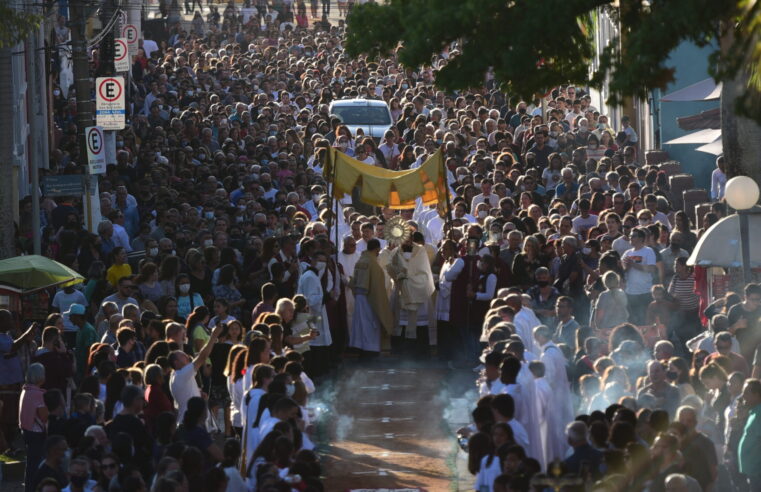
691 64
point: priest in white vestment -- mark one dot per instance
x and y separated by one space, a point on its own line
410 269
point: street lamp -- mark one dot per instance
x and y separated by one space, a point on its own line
742 193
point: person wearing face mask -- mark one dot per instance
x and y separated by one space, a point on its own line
310 286
79 476
187 300
520 111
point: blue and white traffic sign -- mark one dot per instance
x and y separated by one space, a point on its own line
110 103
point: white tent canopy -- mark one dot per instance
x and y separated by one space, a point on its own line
720 244
714 148
705 90
699 137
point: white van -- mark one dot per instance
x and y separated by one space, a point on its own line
371 115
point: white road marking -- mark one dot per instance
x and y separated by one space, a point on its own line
387 387
392 371
388 403
386 420
387 435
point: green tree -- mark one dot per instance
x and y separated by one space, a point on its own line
16 24
533 45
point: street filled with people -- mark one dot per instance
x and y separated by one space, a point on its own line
224 283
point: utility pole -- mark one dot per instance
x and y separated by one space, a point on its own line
7 145
82 80
37 95
83 88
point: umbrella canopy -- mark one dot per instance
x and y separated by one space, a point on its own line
35 272
720 244
705 90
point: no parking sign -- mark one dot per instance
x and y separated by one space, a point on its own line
109 103
129 32
96 154
121 55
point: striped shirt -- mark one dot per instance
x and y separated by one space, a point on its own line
683 290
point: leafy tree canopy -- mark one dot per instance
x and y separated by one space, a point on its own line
16 24
533 45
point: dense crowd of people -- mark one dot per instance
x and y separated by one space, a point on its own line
215 295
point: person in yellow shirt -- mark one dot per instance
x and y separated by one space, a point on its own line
119 268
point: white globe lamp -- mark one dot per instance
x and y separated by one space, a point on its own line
741 192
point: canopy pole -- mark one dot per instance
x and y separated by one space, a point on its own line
332 187
448 219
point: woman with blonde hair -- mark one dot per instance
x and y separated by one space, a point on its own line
526 263
611 307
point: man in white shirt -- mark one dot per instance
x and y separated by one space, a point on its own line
651 202
572 114
631 135
390 149
639 266
718 179
584 221
182 382
63 300
120 237
486 196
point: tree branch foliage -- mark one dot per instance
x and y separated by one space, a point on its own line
533 45
16 24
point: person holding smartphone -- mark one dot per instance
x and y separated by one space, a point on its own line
58 362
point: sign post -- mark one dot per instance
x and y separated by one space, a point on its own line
63 185
96 149
121 55
110 103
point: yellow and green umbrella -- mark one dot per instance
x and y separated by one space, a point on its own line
35 272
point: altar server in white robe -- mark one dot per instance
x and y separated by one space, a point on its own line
524 320
348 257
561 404
519 383
310 286
543 398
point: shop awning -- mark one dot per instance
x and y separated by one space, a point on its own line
714 148
720 244
705 90
699 137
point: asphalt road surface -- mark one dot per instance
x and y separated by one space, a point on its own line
390 423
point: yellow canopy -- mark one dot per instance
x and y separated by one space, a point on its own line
384 188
